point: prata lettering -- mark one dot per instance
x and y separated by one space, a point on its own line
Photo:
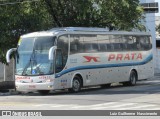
128 56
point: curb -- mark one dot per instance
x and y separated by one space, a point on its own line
4 94
157 74
9 92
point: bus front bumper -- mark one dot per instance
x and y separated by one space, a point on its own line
34 86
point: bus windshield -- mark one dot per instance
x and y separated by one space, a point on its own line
32 56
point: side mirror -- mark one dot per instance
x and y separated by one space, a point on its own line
9 52
51 52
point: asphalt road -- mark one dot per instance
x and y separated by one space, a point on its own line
144 96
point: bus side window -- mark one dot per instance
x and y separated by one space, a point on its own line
103 43
117 47
103 47
124 47
95 47
138 44
111 46
73 48
87 47
108 46
146 43
134 47
90 43
130 47
76 44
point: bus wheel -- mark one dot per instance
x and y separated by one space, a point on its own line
43 92
76 84
132 78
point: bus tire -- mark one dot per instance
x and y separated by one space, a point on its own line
132 78
76 84
43 92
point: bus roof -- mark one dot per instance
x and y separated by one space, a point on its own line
92 29
86 30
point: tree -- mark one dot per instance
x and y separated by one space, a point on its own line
120 14
24 16
158 28
19 18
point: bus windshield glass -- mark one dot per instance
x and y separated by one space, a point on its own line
32 56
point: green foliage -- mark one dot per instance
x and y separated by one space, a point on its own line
120 14
158 28
35 15
20 18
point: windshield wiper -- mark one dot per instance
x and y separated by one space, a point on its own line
32 62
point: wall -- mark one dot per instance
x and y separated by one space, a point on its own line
6 72
1 72
149 22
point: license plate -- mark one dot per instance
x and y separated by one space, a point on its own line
32 86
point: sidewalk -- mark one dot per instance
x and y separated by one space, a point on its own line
8 92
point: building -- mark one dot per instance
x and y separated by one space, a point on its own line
150 8
157 20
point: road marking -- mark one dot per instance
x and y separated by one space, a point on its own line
60 105
115 106
109 105
104 104
153 108
101 106
79 106
39 105
92 106
16 104
137 107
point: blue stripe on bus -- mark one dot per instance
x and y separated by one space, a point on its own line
149 58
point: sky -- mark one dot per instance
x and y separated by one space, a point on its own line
158 14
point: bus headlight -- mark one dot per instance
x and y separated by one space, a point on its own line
50 86
17 87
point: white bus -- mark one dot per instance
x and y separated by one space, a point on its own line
72 58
